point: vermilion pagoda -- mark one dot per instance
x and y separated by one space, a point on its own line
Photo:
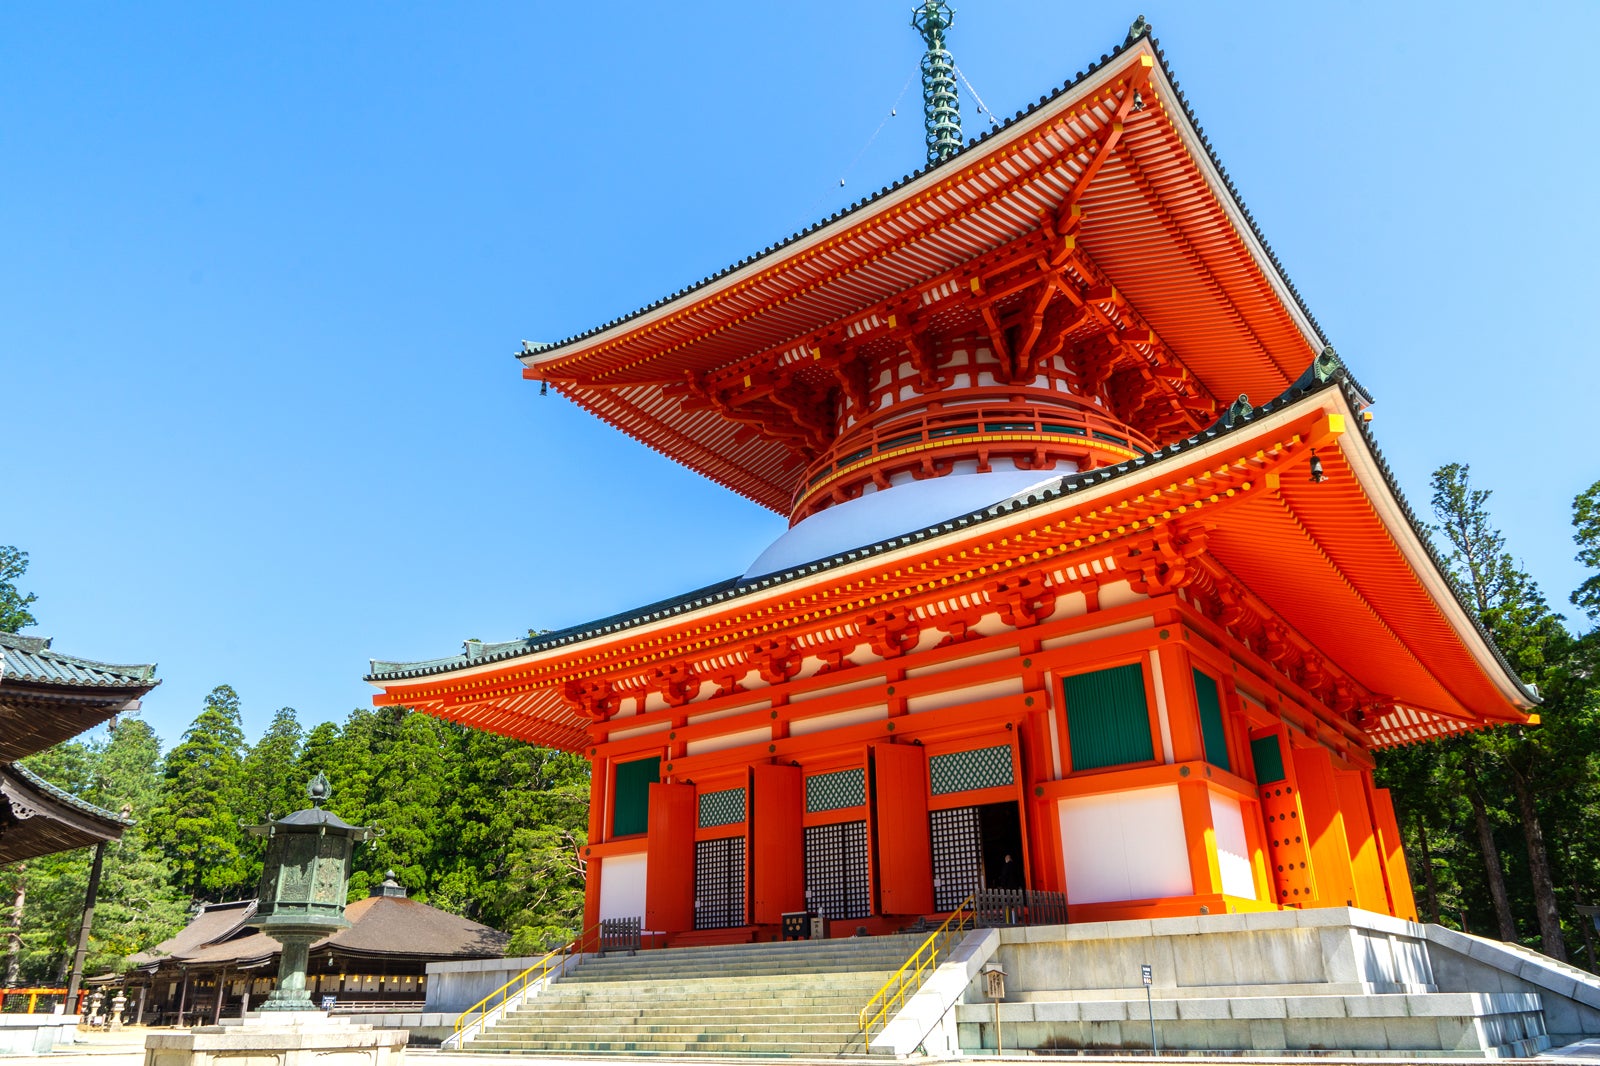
1058 608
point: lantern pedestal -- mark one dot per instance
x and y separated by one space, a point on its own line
290 996
279 1038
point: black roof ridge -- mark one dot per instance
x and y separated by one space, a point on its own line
733 588
988 134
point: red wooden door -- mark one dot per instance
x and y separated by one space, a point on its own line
669 873
778 806
905 850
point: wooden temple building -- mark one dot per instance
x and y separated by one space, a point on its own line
219 964
1096 582
47 697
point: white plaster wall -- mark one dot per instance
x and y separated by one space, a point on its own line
622 885
729 740
799 727
934 701
1125 845
1233 851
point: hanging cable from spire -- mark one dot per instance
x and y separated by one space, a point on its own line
941 111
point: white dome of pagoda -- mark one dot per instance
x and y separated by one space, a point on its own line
902 508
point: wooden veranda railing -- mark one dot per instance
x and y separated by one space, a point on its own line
999 907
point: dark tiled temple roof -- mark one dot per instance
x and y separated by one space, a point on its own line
30 659
62 796
379 926
844 215
41 819
215 922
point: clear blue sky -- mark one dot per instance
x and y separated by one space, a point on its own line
265 267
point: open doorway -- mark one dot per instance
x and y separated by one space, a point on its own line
971 846
1000 830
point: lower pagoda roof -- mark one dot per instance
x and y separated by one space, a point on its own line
47 697
37 818
1344 561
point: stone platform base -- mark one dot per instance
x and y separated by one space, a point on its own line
1481 1025
1315 982
35 1034
278 1039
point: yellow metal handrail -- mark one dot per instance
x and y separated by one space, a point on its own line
914 970
521 982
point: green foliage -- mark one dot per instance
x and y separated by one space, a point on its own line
203 798
1500 826
477 824
138 905
1586 532
14 613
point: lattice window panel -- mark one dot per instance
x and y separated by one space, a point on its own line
725 807
831 792
837 884
961 771
719 882
957 854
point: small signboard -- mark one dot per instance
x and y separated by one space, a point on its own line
328 1002
994 982
1144 972
796 925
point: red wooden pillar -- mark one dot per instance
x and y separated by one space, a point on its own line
778 825
594 870
669 873
1205 873
1371 894
1392 853
905 850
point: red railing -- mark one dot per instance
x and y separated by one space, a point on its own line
35 994
1027 425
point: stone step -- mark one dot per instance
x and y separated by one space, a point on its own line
588 973
585 975
771 1000
715 988
658 1047
599 1028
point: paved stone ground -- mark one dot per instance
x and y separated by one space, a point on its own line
126 1048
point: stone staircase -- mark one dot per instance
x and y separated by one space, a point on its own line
800 998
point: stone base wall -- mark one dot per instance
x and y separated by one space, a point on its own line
455 986
36 1034
1331 979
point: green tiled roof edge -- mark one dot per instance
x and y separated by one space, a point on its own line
61 795
30 659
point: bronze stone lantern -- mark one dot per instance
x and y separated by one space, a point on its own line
303 886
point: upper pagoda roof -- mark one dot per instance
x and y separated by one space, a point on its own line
1346 562
47 696
1161 221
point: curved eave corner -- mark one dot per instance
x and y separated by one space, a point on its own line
403 683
